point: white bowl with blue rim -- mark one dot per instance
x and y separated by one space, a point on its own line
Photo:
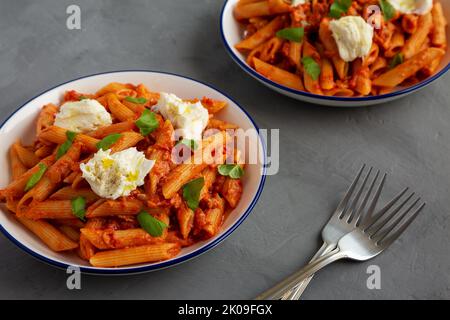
231 32
21 125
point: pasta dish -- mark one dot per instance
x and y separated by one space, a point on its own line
125 175
343 47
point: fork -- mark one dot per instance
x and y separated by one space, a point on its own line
338 225
362 234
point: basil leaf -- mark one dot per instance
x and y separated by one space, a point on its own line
339 7
234 171
82 98
147 122
150 224
140 100
62 149
108 141
192 144
79 207
191 192
34 179
311 67
292 34
396 60
388 10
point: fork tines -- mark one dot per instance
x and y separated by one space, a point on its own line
359 203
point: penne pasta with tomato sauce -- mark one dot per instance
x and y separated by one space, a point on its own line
343 48
116 178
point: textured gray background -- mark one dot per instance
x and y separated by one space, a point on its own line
320 150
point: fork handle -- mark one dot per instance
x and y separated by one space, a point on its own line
297 290
305 272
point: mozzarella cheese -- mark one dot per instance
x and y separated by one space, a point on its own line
190 119
420 7
82 116
353 36
116 175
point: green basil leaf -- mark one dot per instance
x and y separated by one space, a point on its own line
191 192
62 149
311 67
140 100
236 172
108 141
150 224
79 207
192 144
34 179
388 10
82 98
339 8
147 122
396 60
292 34
233 171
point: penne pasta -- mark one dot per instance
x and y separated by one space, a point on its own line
51 236
407 69
134 255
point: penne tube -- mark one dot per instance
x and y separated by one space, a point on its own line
439 34
50 235
252 9
120 127
209 175
270 49
68 193
121 206
127 140
46 117
49 209
119 110
86 249
262 35
17 167
72 233
220 125
134 255
119 239
326 75
214 217
27 157
311 85
278 75
415 42
62 167
185 217
112 88
57 135
407 69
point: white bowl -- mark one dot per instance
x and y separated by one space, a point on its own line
231 32
21 124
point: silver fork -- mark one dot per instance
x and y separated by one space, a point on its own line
339 225
368 234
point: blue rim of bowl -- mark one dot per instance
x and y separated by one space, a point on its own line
164 264
255 74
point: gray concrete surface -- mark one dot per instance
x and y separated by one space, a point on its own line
320 150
